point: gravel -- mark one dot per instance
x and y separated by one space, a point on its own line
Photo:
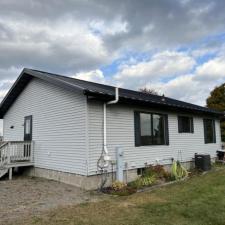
31 196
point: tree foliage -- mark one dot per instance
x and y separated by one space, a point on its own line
148 91
216 100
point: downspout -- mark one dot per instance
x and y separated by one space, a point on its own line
106 156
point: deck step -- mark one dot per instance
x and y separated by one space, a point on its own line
3 171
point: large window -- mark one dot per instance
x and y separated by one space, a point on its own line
209 131
185 124
151 129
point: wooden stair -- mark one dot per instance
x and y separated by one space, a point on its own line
3 171
3 159
15 154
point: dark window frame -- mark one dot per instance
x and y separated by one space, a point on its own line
137 128
207 141
181 129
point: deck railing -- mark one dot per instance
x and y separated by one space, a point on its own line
3 154
15 152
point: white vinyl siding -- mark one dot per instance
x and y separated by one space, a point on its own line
68 132
120 132
59 126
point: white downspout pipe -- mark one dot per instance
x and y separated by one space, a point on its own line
116 97
106 152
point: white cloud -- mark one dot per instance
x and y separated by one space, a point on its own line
202 9
94 76
4 87
194 88
66 45
187 84
161 65
183 88
3 93
212 70
109 28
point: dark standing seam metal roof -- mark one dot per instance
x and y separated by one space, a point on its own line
102 92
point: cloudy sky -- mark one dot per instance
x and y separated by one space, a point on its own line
176 47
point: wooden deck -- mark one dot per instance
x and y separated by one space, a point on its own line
15 154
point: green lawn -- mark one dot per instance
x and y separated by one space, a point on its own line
199 200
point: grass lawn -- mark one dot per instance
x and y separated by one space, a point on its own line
199 200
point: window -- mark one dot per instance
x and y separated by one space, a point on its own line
209 131
28 128
151 129
146 129
141 171
185 124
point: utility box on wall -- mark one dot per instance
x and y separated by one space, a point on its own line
203 162
120 164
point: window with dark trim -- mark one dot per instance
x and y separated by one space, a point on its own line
185 124
209 131
151 129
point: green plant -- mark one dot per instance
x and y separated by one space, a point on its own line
150 171
178 171
143 182
168 176
147 180
117 185
158 171
134 184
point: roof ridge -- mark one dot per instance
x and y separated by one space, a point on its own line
72 78
48 74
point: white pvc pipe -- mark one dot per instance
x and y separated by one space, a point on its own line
104 129
106 152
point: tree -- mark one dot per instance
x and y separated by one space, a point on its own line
216 100
148 91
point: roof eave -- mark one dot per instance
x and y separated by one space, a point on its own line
124 100
24 78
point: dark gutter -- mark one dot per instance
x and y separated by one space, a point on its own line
157 105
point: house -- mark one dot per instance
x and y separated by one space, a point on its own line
78 132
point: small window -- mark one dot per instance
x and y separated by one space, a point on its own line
151 129
141 171
185 124
209 131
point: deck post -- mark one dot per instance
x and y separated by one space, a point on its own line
10 173
32 151
8 152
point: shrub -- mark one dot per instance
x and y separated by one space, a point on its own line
117 185
119 188
125 191
168 176
158 171
147 180
143 182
